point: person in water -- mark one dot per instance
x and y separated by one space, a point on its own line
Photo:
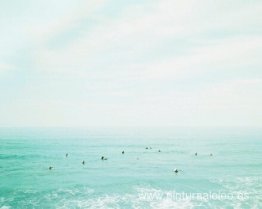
50 167
123 152
211 154
176 170
196 154
159 150
103 158
83 162
66 154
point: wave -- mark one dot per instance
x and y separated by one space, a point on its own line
138 198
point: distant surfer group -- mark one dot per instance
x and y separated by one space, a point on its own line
83 162
177 170
209 154
123 152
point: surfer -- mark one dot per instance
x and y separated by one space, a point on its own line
103 158
176 170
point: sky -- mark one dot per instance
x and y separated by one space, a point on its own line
130 63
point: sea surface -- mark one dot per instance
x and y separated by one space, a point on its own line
139 178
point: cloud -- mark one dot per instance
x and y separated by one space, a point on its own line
5 67
149 62
223 55
116 44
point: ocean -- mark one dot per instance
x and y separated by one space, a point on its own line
226 172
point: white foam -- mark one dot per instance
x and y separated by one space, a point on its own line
134 200
5 207
139 197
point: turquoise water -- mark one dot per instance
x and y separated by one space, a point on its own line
140 178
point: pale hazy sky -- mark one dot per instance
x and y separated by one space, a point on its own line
130 62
